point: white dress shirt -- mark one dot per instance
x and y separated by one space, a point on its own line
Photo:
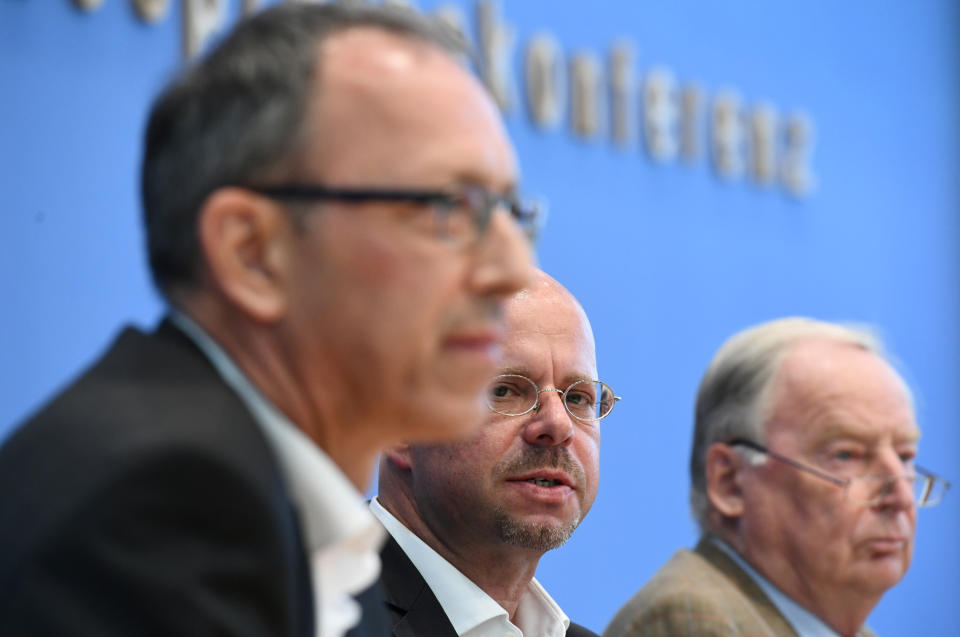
803 621
341 537
472 612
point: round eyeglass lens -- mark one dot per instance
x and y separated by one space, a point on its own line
511 395
589 400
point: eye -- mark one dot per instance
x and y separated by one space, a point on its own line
456 223
502 390
846 455
579 398
907 456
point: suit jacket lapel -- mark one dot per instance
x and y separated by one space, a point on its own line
748 587
373 620
413 607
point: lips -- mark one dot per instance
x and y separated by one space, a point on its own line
548 478
893 544
479 338
545 487
475 340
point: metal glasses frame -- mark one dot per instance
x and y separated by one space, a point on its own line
563 397
929 478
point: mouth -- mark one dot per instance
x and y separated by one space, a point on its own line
881 546
479 339
546 478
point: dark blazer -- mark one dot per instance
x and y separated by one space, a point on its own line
414 609
145 500
702 593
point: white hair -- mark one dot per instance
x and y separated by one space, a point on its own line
732 401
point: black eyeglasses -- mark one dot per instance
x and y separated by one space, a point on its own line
461 217
868 490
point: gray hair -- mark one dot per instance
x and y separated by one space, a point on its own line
733 395
236 116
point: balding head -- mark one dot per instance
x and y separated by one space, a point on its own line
525 481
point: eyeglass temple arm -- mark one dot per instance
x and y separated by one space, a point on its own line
304 191
743 442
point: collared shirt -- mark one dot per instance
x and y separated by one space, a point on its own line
803 621
341 537
472 612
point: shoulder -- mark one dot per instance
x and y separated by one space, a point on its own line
150 422
147 395
689 595
576 630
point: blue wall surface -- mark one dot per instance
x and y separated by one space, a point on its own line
668 258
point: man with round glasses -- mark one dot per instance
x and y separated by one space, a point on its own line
470 520
805 484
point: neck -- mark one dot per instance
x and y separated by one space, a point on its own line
845 611
274 369
501 570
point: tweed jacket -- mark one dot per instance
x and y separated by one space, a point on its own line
702 593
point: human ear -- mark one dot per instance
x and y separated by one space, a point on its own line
723 467
399 456
244 239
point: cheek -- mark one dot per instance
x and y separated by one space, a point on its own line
589 454
458 465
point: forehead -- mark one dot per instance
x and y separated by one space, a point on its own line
548 334
379 96
830 389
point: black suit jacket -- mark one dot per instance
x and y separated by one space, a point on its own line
145 500
414 609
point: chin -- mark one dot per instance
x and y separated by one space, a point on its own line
884 573
533 535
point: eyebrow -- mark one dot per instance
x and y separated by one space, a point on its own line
845 430
567 380
462 179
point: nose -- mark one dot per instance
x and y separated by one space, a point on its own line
550 425
897 491
896 494
504 258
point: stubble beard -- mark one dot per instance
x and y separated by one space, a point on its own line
535 536
530 535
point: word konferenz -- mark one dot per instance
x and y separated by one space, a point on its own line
598 99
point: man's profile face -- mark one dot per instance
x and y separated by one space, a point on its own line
409 324
845 411
481 491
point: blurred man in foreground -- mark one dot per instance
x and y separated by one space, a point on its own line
469 521
804 485
329 213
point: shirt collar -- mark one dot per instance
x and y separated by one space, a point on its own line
471 611
331 509
803 621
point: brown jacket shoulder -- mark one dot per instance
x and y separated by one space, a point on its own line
701 593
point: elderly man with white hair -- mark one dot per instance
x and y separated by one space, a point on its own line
805 487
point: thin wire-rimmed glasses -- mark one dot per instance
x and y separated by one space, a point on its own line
461 217
868 490
517 395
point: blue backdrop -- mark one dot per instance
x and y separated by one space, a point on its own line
667 257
